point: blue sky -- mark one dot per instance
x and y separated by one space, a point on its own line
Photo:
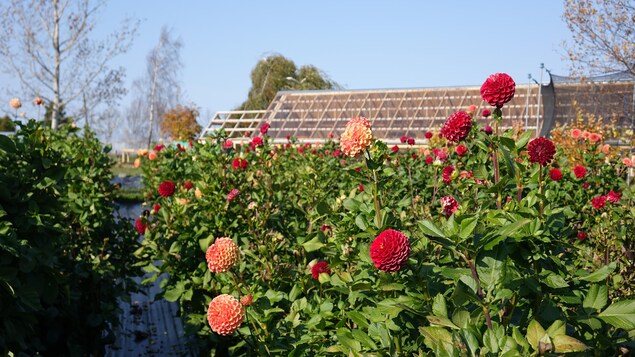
359 44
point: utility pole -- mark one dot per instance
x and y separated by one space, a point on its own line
527 103
542 67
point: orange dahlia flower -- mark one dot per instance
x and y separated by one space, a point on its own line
222 255
357 137
225 314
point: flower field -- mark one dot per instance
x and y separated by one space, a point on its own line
479 243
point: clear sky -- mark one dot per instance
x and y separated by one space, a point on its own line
359 44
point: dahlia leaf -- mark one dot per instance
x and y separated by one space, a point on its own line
566 344
597 297
600 274
439 307
620 314
535 332
313 245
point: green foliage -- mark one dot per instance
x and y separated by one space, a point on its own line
481 281
64 258
275 73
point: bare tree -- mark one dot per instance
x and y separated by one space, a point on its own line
47 45
603 35
158 89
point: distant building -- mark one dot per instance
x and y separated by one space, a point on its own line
313 115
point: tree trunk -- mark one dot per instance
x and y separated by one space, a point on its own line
56 75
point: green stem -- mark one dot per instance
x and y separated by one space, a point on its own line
376 198
542 189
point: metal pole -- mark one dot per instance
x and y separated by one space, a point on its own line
542 66
527 103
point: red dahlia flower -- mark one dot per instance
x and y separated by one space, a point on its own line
613 196
158 147
166 188
579 171
232 194
394 148
228 144
264 128
361 188
446 174
541 151
581 235
457 126
403 139
318 268
555 174
498 89
188 185
429 135
390 250
598 202
257 141
225 314
156 207
222 255
450 205
460 149
140 226
486 113
411 141
429 159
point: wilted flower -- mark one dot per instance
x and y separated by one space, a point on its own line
222 255
252 205
457 126
541 151
319 268
357 137
166 188
555 174
390 250
450 205
498 89
579 171
225 314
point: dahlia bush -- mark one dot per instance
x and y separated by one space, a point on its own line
490 246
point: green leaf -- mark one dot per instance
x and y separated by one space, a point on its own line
442 321
359 221
554 280
313 245
597 297
322 208
347 340
510 229
508 161
557 328
467 227
439 307
364 339
600 274
491 341
7 144
173 294
523 140
358 318
535 332
205 243
461 318
566 344
438 339
620 314
428 228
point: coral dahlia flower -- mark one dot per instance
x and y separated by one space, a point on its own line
228 144
357 137
222 255
576 133
579 171
225 314
390 250
457 126
318 268
498 89
541 151
166 188
246 300
594 137
15 103
38 101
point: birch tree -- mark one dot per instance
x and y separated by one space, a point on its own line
48 46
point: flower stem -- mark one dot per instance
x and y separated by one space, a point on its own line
376 198
542 189
479 290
